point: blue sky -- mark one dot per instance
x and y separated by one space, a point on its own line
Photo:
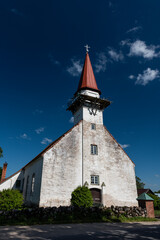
41 57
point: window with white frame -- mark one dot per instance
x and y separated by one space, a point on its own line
93 126
95 179
94 149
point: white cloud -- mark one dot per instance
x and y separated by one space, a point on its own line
125 42
139 48
157 175
76 68
46 141
147 76
25 136
134 29
115 55
131 77
71 120
101 63
39 130
124 145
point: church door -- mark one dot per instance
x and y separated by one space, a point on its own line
96 194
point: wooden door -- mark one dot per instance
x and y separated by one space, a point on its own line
96 194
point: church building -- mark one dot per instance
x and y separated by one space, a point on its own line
87 154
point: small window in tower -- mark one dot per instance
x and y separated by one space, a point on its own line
95 179
94 149
93 126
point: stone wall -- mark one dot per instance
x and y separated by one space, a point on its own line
69 214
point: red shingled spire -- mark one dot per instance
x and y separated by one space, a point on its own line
87 80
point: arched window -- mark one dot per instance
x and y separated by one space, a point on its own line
33 183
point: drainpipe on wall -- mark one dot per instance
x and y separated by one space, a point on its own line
102 192
4 171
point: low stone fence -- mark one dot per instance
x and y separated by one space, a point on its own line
69 214
129 211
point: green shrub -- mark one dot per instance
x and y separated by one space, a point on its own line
10 199
82 197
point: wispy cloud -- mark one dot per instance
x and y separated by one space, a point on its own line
16 12
112 6
114 55
39 130
125 42
157 175
147 76
76 68
24 136
46 141
125 145
134 29
52 59
139 48
101 62
71 120
37 111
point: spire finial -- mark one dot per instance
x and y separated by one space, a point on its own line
87 48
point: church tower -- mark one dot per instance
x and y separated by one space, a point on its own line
86 103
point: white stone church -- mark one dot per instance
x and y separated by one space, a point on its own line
87 154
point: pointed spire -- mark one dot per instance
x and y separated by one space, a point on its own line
87 80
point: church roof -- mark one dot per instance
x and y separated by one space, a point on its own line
87 80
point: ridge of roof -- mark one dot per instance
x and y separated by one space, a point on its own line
118 144
87 79
43 151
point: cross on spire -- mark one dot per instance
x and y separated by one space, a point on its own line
87 48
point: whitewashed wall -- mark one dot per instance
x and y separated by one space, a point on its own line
86 114
112 165
62 169
34 167
9 183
